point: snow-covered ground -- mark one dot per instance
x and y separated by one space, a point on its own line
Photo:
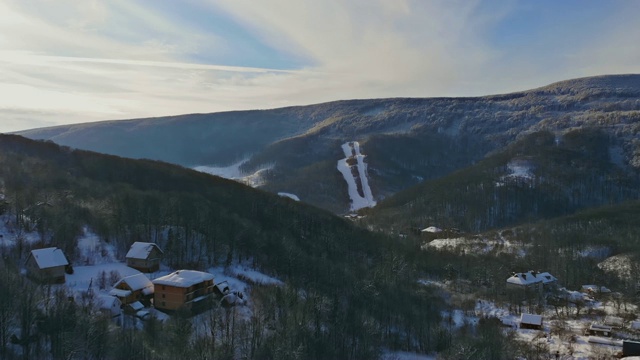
620 264
476 245
233 172
289 195
9 235
518 170
352 151
405 355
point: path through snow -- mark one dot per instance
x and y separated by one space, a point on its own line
352 151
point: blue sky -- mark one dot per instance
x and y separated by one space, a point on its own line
69 61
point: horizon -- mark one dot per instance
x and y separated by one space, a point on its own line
73 63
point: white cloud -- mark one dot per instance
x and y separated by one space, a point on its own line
70 61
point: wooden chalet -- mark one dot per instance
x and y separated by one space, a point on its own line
47 265
182 289
133 288
530 321
144 256
599 330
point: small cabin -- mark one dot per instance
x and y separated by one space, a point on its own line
133 288
110 306
530 321
599 330
144 256
47 265
182 289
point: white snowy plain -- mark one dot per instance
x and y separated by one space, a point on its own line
352 150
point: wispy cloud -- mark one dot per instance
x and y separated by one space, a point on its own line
69 61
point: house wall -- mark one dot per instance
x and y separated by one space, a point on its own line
151 264
172 298
52 274
169 297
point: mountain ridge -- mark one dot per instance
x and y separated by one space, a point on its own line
303 142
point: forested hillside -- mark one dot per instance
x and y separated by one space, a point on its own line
349 293
541 175
406 140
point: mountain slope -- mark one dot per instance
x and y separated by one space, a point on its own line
406 140
348 292
539 176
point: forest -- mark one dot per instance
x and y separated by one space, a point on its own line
348 293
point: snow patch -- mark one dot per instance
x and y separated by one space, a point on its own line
290 196
233 172
518 170
620 264
432 229
352 151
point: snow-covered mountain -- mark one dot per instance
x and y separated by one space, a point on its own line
407 141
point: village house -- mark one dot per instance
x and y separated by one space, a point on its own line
182 288
133 288
530 321
144 256
530 279
110 306
47 265
598 330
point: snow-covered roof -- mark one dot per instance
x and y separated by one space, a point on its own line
531 277
141 250
183 278
136 306
107 301
49 257
119 292
432 229
531 319
136 282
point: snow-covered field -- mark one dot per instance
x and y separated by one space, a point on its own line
352 151
10 236
233 172
518 170
476 245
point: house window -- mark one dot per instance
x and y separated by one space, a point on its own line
163 296
163 287
164 304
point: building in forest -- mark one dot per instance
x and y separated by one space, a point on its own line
183 289
133 288
530 279
47 265
530 321
144 256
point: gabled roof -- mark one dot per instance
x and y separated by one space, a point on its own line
136 282
183 278
49 257
531 319
531 277
141 250
107 301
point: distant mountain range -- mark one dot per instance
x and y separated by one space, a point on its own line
407 141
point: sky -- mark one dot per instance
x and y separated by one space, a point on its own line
76 61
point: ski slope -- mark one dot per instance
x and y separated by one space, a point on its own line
358 201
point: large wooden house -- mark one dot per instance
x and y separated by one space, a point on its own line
47 265
133 288
182 289
530 280
144 256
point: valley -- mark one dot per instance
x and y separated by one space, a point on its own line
357 229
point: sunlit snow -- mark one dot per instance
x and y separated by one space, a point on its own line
352 150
